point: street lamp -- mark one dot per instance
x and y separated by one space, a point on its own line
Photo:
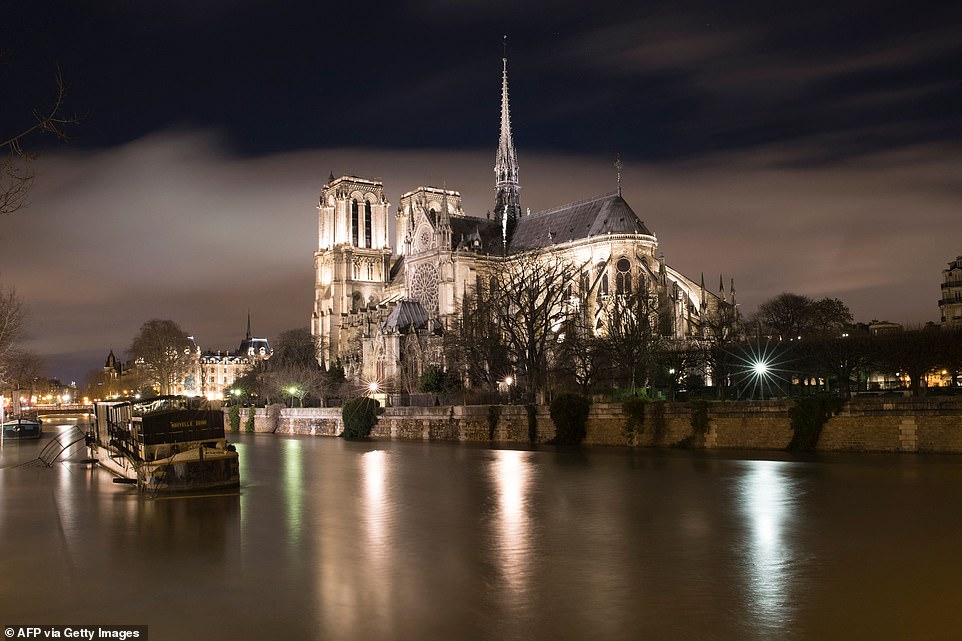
293 391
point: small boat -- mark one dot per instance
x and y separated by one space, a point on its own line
22 427
164 444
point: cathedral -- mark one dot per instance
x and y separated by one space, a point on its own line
372 295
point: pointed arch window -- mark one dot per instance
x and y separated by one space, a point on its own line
354 222
623 277
603 288
367 223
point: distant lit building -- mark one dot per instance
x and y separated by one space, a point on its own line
881 328
210 374
950 304
213 373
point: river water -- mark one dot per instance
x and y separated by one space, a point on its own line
328 539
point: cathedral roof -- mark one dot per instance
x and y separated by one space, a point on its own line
466 230
406 315
608 214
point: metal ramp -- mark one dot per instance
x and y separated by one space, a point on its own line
60 444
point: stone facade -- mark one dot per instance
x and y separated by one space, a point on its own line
950 305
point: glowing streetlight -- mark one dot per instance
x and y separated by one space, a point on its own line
293 391
373 387
508 380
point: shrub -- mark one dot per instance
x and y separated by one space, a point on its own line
249 425
570 415
360 417
233 417
432 380
635 411
699 417
808 418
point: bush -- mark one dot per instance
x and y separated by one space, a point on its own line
570 415
809 416
249 425
233 417
699 417
360 417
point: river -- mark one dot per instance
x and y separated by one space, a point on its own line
406 541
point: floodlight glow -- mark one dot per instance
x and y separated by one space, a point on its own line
508 380
373 387
762 370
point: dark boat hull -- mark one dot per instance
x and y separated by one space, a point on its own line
22 429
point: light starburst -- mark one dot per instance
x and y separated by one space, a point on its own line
761 370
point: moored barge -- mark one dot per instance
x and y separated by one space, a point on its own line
164 444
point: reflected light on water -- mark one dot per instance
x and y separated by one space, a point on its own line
766 503
292 456
373 466
510 475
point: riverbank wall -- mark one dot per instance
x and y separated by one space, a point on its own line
927 425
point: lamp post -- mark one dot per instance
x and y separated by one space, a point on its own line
293 391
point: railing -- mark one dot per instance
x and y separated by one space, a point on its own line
60 444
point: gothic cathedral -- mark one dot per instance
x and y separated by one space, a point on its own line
377 306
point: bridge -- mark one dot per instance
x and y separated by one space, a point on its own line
75 409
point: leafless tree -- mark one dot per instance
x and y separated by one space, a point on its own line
632 334
580 353
473 344
529 306
23 368
16 170
163 350
11 325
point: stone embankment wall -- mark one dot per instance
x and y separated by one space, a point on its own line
863 425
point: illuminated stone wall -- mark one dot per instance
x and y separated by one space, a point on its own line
864 425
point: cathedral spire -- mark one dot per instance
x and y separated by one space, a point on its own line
507 205
248 324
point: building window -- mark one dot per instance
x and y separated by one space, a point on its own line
603 289
367 224
623 279
354 223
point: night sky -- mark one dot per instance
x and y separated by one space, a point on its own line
806 147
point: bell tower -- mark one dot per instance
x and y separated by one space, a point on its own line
352 259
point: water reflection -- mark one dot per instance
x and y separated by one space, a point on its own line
510 475
373 472
767 501
292 464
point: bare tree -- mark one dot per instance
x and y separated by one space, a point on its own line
722 330
16 171
529 306
580 354
789 316
23 368
632 334
163 350
11 325
473 344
